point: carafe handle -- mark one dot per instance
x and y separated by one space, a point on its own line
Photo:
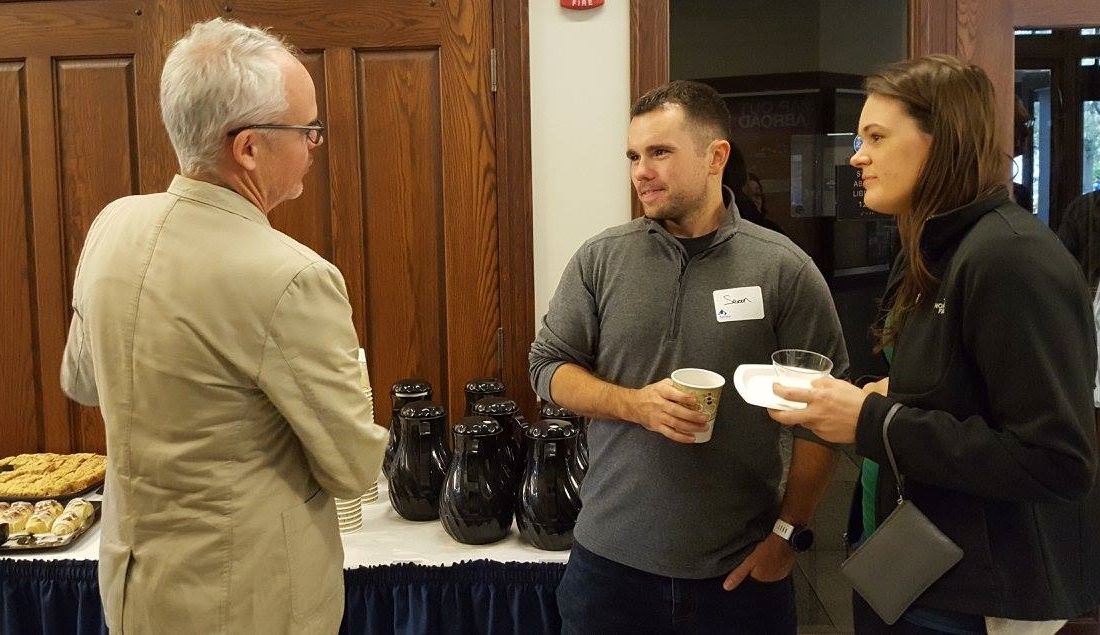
472 478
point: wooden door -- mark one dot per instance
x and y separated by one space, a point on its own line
73 122
402 196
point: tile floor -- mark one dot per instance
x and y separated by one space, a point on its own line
824 597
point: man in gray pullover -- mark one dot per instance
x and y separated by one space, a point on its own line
676 535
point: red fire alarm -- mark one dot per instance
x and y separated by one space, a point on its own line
581 4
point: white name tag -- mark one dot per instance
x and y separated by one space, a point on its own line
742 303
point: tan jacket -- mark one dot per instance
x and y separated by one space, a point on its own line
222 355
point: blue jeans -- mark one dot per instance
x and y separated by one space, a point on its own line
603 597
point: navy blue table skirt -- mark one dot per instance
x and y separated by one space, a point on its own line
61 597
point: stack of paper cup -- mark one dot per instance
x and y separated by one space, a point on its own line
349 513
364 376
371 494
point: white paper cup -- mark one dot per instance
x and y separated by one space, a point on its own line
349 513
706 386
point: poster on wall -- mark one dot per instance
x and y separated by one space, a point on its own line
762 125
821 184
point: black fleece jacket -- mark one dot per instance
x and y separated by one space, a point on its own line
996 441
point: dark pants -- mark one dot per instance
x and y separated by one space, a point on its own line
603 597
867 622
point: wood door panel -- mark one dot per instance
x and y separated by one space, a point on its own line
376 24
470 198
22 418
401 197
399 108
345 187
308 218
95 123
94 27
460 342
96 135
932 26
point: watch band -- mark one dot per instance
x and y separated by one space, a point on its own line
783 529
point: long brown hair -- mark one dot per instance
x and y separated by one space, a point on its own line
953 102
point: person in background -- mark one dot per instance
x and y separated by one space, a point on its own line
755 190
988 404
1079 231
673 534
223 359
748 194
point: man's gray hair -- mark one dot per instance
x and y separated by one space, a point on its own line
219 76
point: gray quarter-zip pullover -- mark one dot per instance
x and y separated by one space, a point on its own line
631 308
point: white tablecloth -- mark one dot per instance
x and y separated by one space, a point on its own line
385 538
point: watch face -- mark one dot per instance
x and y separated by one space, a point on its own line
802 539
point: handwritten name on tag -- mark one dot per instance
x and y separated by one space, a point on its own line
742 303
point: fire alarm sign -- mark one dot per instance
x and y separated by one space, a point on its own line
581 4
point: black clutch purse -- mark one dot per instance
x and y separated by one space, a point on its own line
903 557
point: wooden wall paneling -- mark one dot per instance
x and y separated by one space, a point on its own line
97 159
981 25
51 298
65 43
469 191
308 218
514 199
345 188
649 62
458 149
162 24
375 24
96 136
93 27
649 66
1064 13
932 27
399 107
17 357
439 188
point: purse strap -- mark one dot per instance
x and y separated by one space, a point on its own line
889 451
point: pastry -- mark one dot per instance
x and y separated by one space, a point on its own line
39 523
66 524
51 506
47 474
45 512
80 507
16 516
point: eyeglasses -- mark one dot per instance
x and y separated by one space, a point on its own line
857 143
314 131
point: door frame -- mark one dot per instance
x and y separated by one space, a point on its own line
515 207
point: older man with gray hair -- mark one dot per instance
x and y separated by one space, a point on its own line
222 355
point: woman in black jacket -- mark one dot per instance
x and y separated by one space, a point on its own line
988 322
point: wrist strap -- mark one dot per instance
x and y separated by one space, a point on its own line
890 452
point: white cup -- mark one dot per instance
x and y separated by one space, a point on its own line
706 386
